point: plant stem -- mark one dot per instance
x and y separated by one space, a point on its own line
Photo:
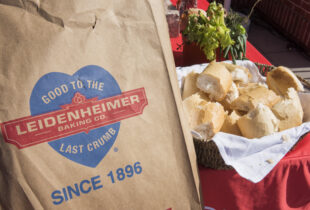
252 9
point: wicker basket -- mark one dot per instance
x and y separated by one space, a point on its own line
207 152
209 156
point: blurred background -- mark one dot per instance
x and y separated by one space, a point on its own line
280 30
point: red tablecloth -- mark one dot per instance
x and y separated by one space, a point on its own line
286 187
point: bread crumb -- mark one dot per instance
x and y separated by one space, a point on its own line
285 138
270 161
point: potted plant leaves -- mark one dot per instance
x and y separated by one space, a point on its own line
212 35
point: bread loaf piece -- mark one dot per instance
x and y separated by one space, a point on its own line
245 88
258 122
230 124
289 110
204 95
232 95
190 87
206 118
215 114
253 94
239 74
281 79
212 120
205 131
215 80
194 110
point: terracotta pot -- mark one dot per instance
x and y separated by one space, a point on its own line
192 54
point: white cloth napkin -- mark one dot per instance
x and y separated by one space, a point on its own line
253 159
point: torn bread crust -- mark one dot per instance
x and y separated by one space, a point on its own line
230 124
232 95
282 78
258 122
289 110
190 87
214 113
252 95
204 115
193 109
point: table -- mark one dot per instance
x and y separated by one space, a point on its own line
286 187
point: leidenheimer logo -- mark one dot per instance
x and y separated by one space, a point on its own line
78 115
81 115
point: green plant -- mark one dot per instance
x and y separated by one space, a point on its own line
238 34
214 31
235 22
209 31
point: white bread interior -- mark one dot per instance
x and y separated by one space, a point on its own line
239 74
281 79
215 80
190 87
289 110
258 122
253 94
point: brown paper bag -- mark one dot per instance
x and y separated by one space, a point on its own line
90 111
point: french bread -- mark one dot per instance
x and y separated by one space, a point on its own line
281 79
289 110
253 94
215 80
239 74
230 124
190 87
258 122
215 114
204 95
206 118
194 110
231 95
